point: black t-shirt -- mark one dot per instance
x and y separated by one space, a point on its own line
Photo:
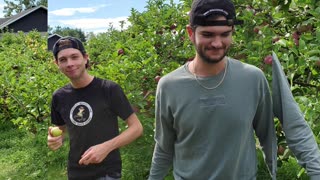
91 116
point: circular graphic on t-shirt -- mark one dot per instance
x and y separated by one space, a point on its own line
81 114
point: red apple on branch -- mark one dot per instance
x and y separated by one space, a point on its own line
120 52
157 78
296 37
268 60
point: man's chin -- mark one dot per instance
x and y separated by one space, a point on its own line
214 60
73 77
213 56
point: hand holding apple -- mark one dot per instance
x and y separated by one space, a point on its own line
54 139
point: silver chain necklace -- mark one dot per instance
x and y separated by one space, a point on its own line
205 87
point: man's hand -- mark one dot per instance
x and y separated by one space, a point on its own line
95 154
54 143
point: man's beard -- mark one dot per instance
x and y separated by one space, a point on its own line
209 60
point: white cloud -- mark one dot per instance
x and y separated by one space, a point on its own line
72 11
94 25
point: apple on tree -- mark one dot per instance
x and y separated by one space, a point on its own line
120 52
157 78
281 150
296 37
268 60
173 26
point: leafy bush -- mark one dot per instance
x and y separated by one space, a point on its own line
28 78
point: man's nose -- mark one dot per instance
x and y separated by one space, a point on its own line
216 42
69 62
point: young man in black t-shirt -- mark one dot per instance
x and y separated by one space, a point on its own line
88 109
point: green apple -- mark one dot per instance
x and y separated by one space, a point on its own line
56 131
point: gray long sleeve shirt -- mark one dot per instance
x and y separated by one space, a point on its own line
298 134
210 134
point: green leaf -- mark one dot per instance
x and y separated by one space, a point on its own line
313 52
257 43
302 44
282 42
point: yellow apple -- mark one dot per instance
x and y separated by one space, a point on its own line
56 131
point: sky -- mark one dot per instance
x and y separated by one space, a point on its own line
90 15
1 8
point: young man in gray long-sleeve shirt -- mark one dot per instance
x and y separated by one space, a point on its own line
209 110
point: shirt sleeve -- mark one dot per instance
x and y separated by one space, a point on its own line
164 136
265 130
56 118
299 136
119 102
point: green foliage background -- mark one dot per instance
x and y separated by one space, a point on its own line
155 44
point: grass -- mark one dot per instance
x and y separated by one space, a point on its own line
25 156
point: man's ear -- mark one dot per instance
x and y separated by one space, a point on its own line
191 33
86 57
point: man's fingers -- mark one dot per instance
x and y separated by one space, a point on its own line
49 130
83 161
55 139
85 158
87 151
53 146
54 143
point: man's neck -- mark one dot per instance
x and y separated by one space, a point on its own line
204 69
82 82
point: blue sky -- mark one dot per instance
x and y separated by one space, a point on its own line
89 15
1 8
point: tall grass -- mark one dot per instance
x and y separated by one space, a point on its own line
25 156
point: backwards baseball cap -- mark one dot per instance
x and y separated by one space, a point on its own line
202 12
67 42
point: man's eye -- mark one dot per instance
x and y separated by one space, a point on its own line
225 34
207 35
